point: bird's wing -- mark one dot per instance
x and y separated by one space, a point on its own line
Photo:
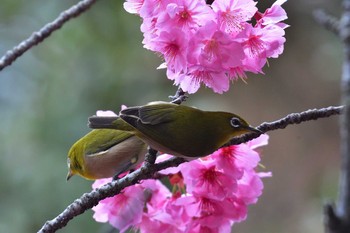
131 111
105 139
155 114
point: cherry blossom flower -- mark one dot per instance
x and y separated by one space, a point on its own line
203 178
232 14
185 15
212 194
133 6
210 45
121 211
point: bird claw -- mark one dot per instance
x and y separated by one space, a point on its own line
179 97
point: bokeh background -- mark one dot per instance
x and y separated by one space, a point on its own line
96 61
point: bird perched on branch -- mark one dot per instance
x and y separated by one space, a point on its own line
177 129
104 153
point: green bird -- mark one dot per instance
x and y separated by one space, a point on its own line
177 129
104 153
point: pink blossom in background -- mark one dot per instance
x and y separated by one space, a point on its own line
204 179
191 81
214 49
174 48
209 194
133 6
232 14
184 15
121 211
273 15
211 45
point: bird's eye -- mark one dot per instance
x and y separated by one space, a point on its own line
235 122
68 162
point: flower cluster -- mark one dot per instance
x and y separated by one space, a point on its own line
208 194
210 44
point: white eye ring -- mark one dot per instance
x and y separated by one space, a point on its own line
235 122
68 162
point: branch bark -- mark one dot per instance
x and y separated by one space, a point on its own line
149 170
37 37
343 208
337 216
328 21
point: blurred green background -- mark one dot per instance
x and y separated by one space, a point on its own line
96 61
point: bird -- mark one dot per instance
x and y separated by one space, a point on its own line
178 130
104 153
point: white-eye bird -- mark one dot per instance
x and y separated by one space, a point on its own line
177 129
104 153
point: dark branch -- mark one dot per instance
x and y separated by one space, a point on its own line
88 200
337 216
326 20
37 37
290 119
149 170
179 97
332 220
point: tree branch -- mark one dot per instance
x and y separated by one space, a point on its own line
337 216
148 170
88 200
290 119
328 21
37 37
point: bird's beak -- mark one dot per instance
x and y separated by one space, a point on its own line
251 129
69 175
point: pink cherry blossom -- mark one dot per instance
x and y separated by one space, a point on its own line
158 216
184 14
133 6
273 15
232 158
151 8
174 48
191 82
166 218
260 43
209 212
203 178
121 211
126 209
260 141
216 191
214 49
210 45
249 187
149 32
195 227
232 14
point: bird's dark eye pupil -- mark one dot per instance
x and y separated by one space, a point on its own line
235 122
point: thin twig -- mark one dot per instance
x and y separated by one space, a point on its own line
179 97
328 21
88 200
37 37
292 118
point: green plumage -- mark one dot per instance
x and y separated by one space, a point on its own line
181 130
103 153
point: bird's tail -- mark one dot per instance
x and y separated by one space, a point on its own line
108 122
